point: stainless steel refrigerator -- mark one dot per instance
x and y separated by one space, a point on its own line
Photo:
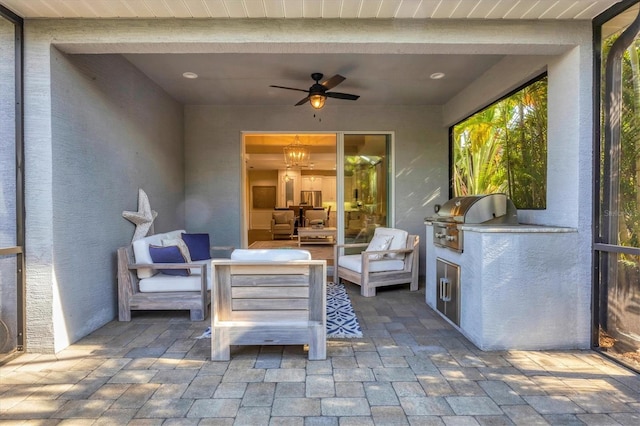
311 198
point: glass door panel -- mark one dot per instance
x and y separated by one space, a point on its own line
619 333
617 239
366 185
11 254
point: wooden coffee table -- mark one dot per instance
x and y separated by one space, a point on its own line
327 233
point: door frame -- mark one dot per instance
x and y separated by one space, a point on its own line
244 181
602 248
19 249
391 182
339 177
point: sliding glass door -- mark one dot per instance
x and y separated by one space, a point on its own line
366 185
11 187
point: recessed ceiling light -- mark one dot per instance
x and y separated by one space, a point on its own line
436 75
189 74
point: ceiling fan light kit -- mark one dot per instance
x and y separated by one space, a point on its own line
317 101
319 92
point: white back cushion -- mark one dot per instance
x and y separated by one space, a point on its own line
379 242
141 250
399 240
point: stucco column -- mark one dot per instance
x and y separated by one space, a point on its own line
41 294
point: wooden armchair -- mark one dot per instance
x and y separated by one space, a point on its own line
141 287
269 297
196 298
378 266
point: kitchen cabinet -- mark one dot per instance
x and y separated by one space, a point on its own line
311 183
448 290
328 189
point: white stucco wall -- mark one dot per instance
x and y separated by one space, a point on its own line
112 131
212 133
570 147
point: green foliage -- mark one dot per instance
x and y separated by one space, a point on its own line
503 148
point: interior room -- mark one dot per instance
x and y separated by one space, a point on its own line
295 184
275 182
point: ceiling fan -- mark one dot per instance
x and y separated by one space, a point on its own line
318 92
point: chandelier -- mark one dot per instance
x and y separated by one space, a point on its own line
296 154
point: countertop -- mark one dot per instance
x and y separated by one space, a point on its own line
519 228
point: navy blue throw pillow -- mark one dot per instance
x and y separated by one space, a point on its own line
169 254
199 247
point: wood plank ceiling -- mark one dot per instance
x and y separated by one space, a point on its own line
327 9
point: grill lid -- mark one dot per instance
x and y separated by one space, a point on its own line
477 209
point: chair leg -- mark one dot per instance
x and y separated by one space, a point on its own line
220 349
124 315
414 285
318 342
366 290
196 315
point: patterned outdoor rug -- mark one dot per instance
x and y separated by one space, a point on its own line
342 322
341 318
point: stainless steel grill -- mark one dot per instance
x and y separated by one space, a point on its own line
487 209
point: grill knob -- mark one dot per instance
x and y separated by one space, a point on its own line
450 238
440 235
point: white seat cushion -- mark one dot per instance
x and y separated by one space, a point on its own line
270 255
354 263
202 262
163 283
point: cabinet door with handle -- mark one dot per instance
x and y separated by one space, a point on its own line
448 290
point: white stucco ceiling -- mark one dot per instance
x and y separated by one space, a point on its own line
244 79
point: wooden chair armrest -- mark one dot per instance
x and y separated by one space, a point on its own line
383 252
222 248
352 245
202 266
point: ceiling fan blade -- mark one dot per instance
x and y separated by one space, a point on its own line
333 81
289 88
302 101
339 95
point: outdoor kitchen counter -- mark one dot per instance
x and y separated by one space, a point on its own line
520 228
521 286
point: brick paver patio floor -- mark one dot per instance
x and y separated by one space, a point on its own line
411 367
